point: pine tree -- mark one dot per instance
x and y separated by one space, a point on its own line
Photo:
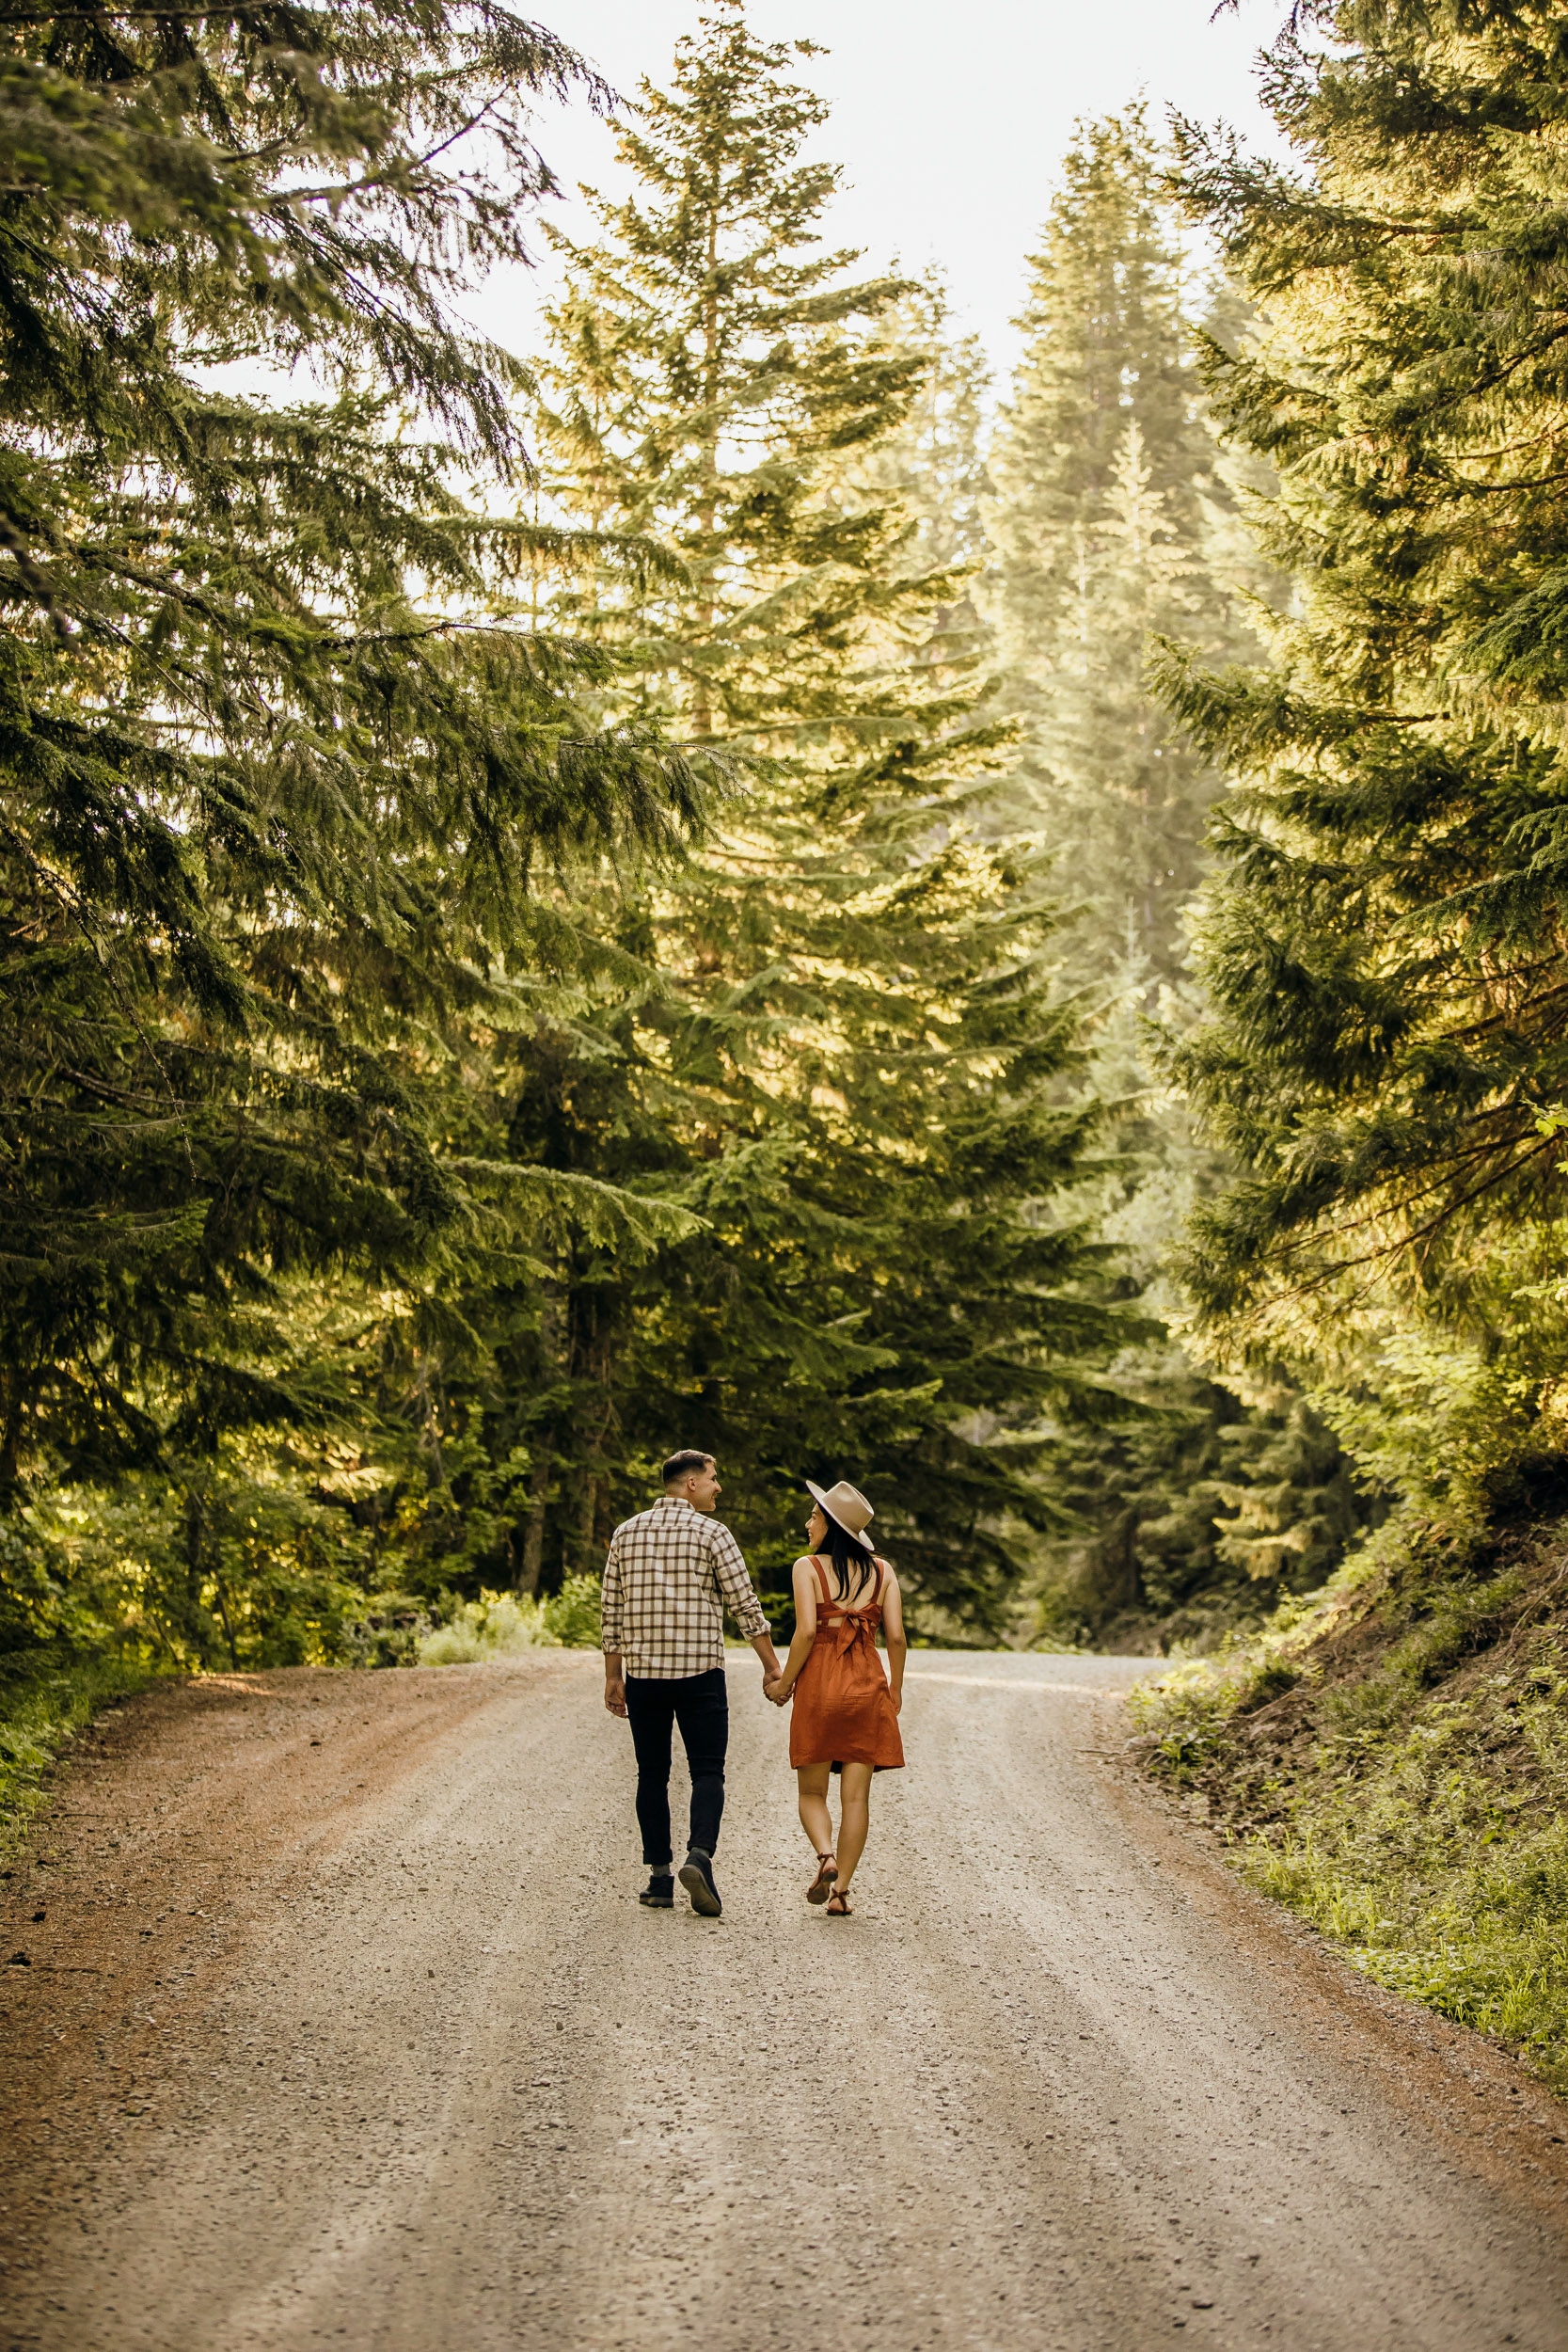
1114 525
1105 496
932 463
273 815
841 1050
1104 347
1383 942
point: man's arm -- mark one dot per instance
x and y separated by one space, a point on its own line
734 1586
611 1631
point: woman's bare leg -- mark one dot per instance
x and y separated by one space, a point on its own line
815 1820
854 1820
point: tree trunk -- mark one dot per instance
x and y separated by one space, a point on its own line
533 1527
14 1390
589 1513
707 509
539 1486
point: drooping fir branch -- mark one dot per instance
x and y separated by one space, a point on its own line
1384 943
284 762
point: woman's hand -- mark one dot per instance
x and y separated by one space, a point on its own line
778 1691
898 1698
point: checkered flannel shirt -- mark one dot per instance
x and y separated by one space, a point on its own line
668 1576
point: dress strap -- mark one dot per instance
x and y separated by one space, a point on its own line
822 1580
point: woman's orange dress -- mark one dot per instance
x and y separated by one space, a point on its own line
842 1708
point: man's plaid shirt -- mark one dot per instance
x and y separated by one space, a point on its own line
669 1574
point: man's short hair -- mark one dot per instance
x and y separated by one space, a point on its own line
680 1464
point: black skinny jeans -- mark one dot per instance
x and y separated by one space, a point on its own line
701 1705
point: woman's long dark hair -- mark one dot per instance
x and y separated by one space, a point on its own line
849 1558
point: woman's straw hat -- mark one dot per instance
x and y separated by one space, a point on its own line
848 1506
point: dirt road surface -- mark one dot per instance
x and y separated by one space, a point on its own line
338 2024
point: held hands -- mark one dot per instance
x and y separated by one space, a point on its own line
773 1688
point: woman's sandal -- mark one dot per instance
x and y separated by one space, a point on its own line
838 1906
827 1870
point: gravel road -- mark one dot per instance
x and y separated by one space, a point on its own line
340 2024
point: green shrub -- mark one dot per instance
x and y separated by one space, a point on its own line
46 1696
573 1614
504 1624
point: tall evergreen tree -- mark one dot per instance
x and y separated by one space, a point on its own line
842 1057
269 815
1113 525
931 468
1384 940
932 463
1105 487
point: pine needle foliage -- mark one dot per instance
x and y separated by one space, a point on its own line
1105 495
281 755
1384 944
850 1065
1113 519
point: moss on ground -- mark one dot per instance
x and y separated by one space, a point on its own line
1391 1760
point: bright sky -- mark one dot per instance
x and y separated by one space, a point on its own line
950 122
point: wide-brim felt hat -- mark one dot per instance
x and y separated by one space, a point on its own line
847 1507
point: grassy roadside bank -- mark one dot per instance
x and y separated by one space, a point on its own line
45 1697
1390 1758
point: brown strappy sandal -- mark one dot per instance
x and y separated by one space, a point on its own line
827 1870
838 1906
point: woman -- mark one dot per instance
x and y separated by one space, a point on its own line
846 1709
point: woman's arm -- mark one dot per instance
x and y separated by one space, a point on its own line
804 1583
892 1634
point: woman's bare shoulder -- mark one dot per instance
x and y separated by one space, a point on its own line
804 1566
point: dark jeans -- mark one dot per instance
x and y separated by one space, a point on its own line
701 1705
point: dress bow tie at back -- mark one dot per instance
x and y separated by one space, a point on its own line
847 1631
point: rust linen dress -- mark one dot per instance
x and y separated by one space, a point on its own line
842 1708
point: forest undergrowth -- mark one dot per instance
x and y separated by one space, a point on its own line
45 1698
1390 1760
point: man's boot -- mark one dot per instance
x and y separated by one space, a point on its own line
696 1875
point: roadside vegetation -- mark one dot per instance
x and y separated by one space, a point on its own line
43 1700
1384 1047
501 1624
1391 1760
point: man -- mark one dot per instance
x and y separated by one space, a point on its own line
668 1576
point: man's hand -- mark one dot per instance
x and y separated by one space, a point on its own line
772 1688
615 1694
